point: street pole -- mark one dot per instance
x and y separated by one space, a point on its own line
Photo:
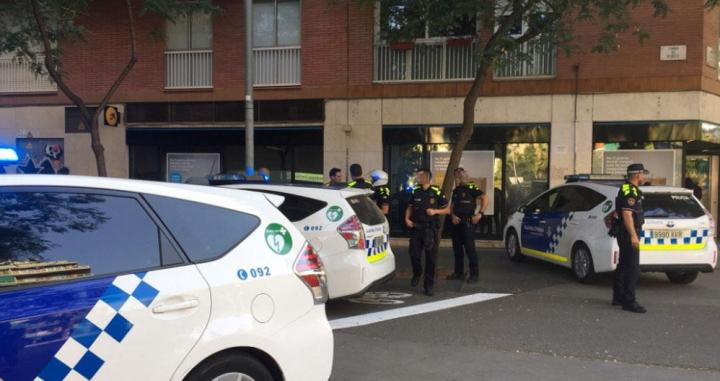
249 106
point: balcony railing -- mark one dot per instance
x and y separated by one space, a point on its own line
448 59
17 76
426 60
532 59
277 66
189 69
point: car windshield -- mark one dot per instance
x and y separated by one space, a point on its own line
671 205
366 210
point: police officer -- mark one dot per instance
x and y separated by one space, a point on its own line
335 178
465 218
422 216
357 178
381 192
628 205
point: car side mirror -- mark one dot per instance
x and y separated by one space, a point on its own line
522 209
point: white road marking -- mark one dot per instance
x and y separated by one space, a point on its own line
397 313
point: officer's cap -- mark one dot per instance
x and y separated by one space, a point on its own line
636 168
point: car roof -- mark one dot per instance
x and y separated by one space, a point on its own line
198 193
664 189
303 189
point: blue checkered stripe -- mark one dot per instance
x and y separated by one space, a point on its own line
555 234
100 334
695 237
372 249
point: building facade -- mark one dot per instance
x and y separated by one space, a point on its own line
330 92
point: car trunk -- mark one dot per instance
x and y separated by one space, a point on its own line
674 221
375 226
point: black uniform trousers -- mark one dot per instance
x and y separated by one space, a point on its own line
424 240
463 241
627 272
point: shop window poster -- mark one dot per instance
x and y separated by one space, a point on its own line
41 156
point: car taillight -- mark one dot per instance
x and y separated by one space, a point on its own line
609 219
310 269
352 231
711 223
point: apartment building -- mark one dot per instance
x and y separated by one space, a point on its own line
330 91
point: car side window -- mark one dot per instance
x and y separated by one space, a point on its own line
203 231
296 208
48 236
590 199
543 203
569 199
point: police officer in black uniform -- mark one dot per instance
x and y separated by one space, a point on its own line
381 191
422 216
465 218
357 178
628 205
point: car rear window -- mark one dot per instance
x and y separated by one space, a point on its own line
294 207
366 210
671 205
204 231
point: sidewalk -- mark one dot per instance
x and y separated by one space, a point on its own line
446 243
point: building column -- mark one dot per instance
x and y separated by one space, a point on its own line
352 134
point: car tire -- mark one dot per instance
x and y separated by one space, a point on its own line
682 277
582 264
512 246
231 367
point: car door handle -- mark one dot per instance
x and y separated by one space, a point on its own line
574 223
184 305
542 222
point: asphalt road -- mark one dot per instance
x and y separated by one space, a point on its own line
550 328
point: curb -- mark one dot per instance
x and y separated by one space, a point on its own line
446 243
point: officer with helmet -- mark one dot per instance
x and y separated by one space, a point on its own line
381 192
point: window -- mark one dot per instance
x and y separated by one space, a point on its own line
409 19
366 210
193 32
671 205
294 207
49 236
204 231
543 203
577 199
276 23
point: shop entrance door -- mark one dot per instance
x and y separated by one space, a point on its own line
702 174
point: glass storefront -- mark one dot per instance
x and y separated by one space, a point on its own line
510 164
292 154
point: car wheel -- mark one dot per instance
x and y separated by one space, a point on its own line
512 246
234 367
682 277
582 264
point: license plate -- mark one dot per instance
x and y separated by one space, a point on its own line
667 234
379 241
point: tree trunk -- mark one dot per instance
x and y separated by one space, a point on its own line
97 147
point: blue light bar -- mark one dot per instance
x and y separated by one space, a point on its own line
8 155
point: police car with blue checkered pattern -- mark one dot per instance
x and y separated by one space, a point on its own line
345 226
109 279
568 225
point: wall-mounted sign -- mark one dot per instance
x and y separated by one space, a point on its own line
111 116
181 167
673 53
662 164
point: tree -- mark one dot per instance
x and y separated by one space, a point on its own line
550 21
35 31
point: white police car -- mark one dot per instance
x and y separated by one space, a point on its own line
111 279
347 229
568 226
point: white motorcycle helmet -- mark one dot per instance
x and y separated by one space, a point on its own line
378 178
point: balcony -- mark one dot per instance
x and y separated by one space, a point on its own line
455 59
277 66
188 69
17 77
533 59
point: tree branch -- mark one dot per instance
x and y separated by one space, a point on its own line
128 66
50 65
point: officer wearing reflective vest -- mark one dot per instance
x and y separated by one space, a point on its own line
357 178
422 216
381 192
465 217
628 205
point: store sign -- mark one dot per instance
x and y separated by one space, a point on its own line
660 163
180 167
479 165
